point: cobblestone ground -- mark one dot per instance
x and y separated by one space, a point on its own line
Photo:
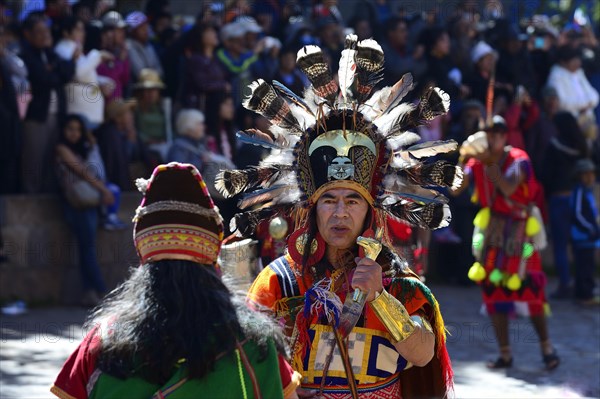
34 346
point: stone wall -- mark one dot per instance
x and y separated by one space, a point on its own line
42 266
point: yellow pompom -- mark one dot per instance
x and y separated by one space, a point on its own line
496 277
513 283
482 219
532 227
476 272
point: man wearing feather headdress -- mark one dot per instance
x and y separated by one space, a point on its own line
343 159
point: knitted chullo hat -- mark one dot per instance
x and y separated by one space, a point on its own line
177 218
341 134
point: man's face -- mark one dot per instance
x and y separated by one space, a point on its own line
496 140
141 33
588 178
341 216
399 36
39 36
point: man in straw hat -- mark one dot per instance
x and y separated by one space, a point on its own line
507 238
173 328
360 322
150 119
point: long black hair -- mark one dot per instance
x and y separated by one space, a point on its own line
170 310
84 145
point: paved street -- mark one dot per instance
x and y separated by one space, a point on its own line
34 345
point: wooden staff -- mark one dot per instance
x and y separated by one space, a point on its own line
489 98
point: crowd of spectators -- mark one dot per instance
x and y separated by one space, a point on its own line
153 88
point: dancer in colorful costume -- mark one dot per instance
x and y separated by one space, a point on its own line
507 237
343 159
173 329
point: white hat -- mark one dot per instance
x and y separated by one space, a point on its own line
482 49
136 19
249 24
232 30
113 19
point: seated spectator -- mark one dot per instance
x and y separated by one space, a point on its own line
141 52
514 61
399 56
203 74
221 131
85 91
288 74
190 147
150 118
331 37
79 162
362 27
484 59
236 8
48 73
575 93
117 140
441 70
267 63
112 39
236 59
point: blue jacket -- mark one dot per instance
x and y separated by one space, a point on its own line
585 231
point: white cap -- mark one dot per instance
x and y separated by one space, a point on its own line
482 49
249 24
113 19
232 30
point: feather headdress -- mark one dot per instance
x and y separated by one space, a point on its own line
344 133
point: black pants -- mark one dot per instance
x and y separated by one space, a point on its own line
584 272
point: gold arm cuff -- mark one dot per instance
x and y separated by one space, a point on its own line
394 316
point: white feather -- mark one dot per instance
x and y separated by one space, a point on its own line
305 120
370 43
279 157
306 50
387 121
445 98
253 86
393 183
397 142
431 148
375 105
347 69
402 160
458 178
288 197
446 218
